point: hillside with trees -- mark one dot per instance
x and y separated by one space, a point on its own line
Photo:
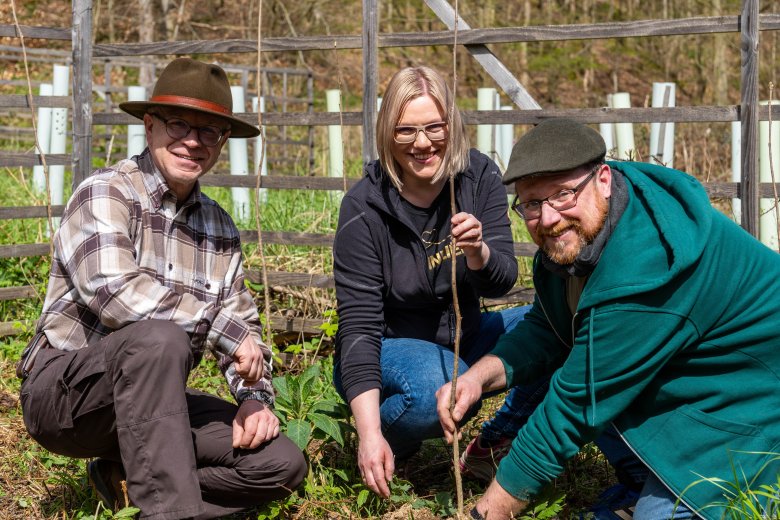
562 74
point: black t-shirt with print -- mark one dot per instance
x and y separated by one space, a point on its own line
434 227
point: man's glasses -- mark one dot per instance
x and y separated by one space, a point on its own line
179 129
561 201
408 134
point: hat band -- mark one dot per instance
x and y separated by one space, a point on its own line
193 102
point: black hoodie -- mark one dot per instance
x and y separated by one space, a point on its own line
380 267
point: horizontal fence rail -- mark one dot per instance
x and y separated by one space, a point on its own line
127 54
639 28
679 114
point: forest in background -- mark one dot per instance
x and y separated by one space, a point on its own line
568 74
571 74
557 74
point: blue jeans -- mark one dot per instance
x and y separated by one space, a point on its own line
413 370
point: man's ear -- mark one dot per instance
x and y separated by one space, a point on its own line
604 180
148 123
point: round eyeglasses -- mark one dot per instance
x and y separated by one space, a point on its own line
179 129
560 201
406 134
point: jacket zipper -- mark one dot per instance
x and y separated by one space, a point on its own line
541 304
573 319
650 469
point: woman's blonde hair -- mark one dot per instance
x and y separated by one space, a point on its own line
408 84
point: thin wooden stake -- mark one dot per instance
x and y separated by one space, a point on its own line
261 142
41 155
456 349
772 167
455 304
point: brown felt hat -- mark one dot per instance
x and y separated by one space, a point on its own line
553 146
194 85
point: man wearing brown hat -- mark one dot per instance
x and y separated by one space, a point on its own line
146 276
656 320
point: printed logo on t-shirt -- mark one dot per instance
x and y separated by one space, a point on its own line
437 251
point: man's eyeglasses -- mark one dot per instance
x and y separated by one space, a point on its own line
561 201
179 129
408 134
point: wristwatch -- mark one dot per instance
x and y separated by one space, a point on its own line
256 395
476 515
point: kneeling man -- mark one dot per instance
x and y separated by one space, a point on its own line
146 276
656 319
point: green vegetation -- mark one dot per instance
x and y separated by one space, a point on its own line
573 74
45 485
743 498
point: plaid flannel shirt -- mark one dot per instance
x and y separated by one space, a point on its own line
125 253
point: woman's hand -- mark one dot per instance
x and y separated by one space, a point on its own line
467 231
375 458
376 463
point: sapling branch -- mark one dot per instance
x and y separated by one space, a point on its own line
41 155
455 304
261 143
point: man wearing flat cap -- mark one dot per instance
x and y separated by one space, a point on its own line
656 320
146 276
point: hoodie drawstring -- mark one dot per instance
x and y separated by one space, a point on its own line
589 361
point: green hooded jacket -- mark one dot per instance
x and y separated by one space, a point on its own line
676 341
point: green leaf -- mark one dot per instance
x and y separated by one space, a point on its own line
282 389
362 497
294 389
294 349
307 379
419 503
127 512
330 407
299 431
444 500
340 473
329 426
279 413
329 329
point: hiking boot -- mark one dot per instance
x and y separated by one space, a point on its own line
480 459
109 482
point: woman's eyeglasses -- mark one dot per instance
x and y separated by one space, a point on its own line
408 134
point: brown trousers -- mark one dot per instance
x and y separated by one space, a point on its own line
125 399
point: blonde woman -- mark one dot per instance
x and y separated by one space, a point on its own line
392 264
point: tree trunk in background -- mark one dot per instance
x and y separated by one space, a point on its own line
720 63
525 78
146 35
111 31
169 17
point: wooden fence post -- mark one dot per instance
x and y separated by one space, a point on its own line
82 90
370 71
748 115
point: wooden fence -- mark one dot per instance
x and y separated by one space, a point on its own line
748 23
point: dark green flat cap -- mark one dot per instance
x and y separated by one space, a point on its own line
554 145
